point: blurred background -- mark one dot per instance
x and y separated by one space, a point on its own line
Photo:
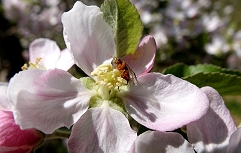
187 31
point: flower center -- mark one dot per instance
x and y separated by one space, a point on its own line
108 77
37 64
108 82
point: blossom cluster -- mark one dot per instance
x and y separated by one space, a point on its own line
34 18
174 24
178 22
105 110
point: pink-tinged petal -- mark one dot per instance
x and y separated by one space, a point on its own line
45 49
161 142
47 99
211 133
101 129
15 140
4 102
65 61
88 36
164 102
143 60
235 142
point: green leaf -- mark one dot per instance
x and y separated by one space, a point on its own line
178 70
126 25
225 84
183 70
225 81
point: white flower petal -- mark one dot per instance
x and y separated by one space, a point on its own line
211 133
5 104
47 100
45 49
161 142
235 142
164 102
65 61
88 36
101 129
143 60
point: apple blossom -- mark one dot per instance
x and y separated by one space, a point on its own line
215 131
34 19
163 142
12 138
99 104
172 142
91 42
45 54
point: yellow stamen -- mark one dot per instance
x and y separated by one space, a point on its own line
109 77
36 64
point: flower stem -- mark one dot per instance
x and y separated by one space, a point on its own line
59 134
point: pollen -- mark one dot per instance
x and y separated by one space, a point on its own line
109 77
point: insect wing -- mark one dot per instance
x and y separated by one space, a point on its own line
132 76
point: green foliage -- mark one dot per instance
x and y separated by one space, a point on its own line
233 105
225 84
225 81
183 70
126 25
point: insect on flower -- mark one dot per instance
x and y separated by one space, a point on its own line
126 72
